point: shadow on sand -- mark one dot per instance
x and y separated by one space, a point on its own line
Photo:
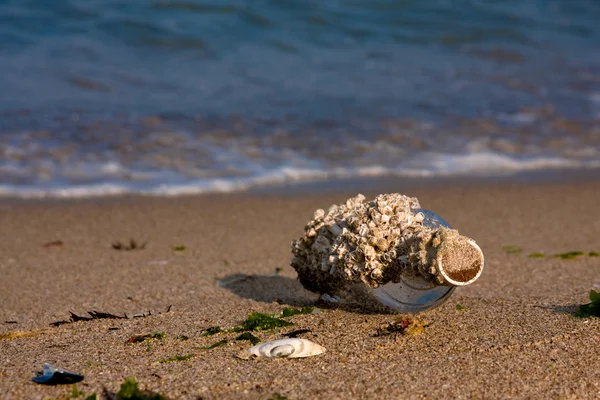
561 309
269 288
284 290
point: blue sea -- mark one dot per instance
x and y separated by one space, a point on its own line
172 97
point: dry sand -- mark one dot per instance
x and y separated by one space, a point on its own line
518 339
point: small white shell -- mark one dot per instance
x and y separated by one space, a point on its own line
290 348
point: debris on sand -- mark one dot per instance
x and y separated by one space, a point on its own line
51 375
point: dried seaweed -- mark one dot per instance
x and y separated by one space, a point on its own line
177 358
179 248
92 315
460 307
132 245
19 334
141 338
296 333
149 313
104 315
404 326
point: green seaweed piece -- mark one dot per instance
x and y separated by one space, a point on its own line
591 309
536 255
218 344
570 255
261 322
176 358
90 363
512 249
182 337
213 330
277 396
290 311
179 248
248 336
76 393
460 307
594 254
130 391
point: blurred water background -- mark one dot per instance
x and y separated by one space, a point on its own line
188 96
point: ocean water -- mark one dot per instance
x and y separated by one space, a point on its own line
188 96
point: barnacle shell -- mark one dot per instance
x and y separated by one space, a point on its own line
372 243
289 348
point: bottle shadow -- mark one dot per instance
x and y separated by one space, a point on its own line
289 291
268 289
560 309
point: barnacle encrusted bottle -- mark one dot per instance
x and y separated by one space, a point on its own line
385 251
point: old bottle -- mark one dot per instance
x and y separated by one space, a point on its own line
387 251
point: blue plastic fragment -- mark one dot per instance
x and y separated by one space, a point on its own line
51 375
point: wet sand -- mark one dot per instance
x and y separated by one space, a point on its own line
517 339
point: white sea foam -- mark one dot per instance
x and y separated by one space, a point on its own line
495 163
425 165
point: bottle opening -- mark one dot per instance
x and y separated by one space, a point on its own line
460 261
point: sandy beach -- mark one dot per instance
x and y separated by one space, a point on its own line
518 337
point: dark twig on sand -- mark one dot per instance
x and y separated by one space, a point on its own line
296 333
104 315
55 243
133 245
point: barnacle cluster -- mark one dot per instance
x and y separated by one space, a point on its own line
375 242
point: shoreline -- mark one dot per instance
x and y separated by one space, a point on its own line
518 337
347 185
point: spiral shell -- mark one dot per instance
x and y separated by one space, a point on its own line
288 348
